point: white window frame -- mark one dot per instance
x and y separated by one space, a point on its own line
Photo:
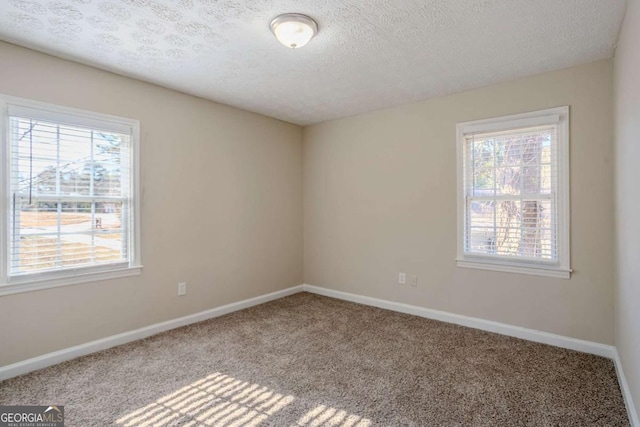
72 276
561 267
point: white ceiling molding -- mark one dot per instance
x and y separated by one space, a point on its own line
369 54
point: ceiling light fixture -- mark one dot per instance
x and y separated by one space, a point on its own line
293 29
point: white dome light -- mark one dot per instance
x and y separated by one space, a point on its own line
293 29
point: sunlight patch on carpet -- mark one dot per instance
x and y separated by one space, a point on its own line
218 399
327 416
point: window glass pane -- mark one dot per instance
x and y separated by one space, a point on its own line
482 226
482 154
482 214
512 228
508 151
109 231
522 162
481 165
508 180
108 163
483 182
33 252
49 253
508 227
509 172
49 235
69 188
56 159
482 240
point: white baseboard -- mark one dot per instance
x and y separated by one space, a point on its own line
626 392
49 359
604 350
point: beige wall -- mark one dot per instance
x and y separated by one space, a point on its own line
380 198
627 130
221 208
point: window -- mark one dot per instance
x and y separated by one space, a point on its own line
70 199
513 193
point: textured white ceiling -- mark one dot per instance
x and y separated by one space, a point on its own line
369 54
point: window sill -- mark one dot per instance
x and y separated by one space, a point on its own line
26 285
558 273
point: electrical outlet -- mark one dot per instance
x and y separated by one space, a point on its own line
402 278
182 288
413 281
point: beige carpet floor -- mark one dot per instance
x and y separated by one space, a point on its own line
307 360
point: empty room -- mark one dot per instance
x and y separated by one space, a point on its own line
340 213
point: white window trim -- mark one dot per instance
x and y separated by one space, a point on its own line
559 269
66 277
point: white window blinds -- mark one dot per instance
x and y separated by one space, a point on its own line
510 185
70 194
